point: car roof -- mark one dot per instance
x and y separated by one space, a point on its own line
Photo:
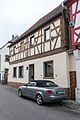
41 81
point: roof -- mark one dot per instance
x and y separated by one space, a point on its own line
3 45
11 41
14 39
69 2
65 1
44 20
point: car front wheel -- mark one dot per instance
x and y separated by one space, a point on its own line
39 99
20 93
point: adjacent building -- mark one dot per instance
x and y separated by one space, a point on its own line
4 61
74 23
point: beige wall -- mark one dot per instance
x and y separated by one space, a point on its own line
72 63
61 66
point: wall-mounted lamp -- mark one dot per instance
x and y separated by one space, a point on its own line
26 68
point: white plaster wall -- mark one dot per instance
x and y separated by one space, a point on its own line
78 72
61 71
72 63
77 59
4 51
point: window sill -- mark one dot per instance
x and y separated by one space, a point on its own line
20 77
48 77
14 77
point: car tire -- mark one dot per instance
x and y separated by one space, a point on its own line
20 93
39 99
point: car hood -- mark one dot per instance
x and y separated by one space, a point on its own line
22 86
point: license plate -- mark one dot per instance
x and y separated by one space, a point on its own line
60 92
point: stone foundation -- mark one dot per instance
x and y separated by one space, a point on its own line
78 95
71 105
15 84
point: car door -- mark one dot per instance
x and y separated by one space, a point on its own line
30 90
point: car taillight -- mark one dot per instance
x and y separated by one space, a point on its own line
49 92
61 89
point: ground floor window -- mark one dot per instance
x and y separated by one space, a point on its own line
48 69
15 72
20 71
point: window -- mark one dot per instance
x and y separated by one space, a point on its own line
15 72
14 50
21 46
32 41
48 69
20 71
6 58
47 34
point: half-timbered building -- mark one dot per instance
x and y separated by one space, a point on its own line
41 52
74 23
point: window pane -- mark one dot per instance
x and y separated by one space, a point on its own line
6 58
15 72
47 34
14 49
48 69
22 46
32 41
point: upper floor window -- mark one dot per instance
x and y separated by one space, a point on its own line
14 49
48 69
47 34
6 58
32 41
21 46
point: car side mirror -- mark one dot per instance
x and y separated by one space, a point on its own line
25 84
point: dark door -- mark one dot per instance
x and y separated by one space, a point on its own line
6 76
31 72
30 90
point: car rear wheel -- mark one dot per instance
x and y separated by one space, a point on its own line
39 99
20 93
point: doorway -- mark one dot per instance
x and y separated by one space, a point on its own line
6 75
31 72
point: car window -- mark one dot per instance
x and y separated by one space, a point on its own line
32 84
50 84
46 84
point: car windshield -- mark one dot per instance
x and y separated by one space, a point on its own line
46 84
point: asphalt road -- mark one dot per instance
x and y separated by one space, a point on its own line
14 108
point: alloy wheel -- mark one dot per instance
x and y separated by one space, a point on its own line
39 99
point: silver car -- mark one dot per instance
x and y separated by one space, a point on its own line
42 91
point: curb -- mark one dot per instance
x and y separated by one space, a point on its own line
72 105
